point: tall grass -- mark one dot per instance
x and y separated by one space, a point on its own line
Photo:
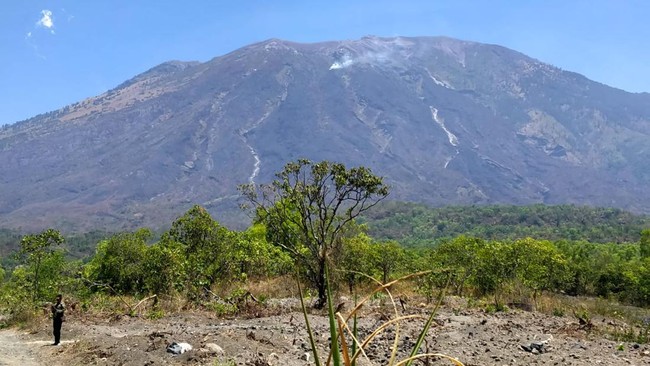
345 346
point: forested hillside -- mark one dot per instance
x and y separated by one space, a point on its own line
78 246
420 225
415 225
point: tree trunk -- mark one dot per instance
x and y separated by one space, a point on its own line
36 279
321 286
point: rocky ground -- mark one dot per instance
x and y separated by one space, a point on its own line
471 335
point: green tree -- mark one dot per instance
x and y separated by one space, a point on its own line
495 269
387 257
645 243
539 265
458 258
164 267
308 207
254 256
119 261
54 274
36 249
356 258
637 282
207 248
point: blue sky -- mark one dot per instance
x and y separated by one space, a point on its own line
53 53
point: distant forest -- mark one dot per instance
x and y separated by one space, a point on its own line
77 246
416 225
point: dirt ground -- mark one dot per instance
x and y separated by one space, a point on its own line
472 336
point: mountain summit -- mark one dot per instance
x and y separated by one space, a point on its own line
444 121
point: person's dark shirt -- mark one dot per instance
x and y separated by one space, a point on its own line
58 310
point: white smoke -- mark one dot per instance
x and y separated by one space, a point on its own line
345 62
377 52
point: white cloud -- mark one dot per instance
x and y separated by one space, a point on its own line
68 16
29 35
46 20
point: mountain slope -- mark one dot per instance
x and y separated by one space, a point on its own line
445 121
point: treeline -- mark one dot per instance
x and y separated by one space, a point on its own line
194 255
416 225
528 267
76 246
197 254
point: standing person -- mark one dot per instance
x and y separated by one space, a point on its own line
58 312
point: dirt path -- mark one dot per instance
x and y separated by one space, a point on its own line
19 349
16 349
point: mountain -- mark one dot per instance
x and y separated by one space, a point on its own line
445 122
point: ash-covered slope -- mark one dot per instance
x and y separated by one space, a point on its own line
445 121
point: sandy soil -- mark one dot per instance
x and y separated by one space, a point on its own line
472 336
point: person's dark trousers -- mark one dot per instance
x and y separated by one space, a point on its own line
57 330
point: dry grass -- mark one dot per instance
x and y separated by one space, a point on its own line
277 287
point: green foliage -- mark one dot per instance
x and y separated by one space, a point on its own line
84 245
644 243
308 208
387 257
164 267
255 257
155 314
559 312
16 298
54 272
222 309
496 308
207 248
119 262
538 265
458 260
416 225
494 269
56 276
195 254
76 246
356 259
38 253
489 267
307 217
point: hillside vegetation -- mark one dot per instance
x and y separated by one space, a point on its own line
416 225
197 255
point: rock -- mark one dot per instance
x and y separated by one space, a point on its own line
214 349
305 356
179 348
534 348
